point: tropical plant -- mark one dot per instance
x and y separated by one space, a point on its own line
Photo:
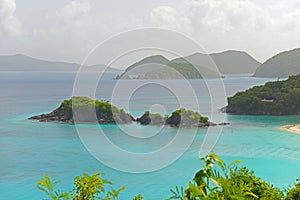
214 181
86 187
48 187
294 193
219 181
138 197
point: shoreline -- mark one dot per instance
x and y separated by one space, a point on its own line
291 128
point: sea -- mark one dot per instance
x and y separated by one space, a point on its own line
30 149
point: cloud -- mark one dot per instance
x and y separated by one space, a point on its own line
223 16
249 25
9 23
220 15
75 10
168 17
67 30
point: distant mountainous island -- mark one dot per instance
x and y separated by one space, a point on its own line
21 62
228 62
158 67
284 64
273 98
193 66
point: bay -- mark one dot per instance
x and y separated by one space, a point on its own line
30 149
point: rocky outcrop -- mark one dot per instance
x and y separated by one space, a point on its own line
179 118
187 118
151 119
86 110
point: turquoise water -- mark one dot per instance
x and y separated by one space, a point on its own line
30 149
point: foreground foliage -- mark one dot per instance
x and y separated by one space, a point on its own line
86 187
294 193
215 181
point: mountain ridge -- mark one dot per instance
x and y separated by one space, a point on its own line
192 66
21 62
228 65
282 65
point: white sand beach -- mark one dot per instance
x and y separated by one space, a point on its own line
292 128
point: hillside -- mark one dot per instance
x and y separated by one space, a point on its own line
142 67
194 66
228 62
21 62
281 65
139 70
158 67
273 98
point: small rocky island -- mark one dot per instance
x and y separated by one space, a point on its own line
83 109
178 118
274 98
151 119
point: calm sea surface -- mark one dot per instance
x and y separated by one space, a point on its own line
30 149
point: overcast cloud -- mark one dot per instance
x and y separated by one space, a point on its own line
68 30
9 23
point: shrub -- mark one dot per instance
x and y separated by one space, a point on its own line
86 187
217 180
48 187
294 193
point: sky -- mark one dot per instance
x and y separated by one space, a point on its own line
67 30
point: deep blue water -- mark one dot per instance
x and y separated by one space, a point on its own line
30 149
